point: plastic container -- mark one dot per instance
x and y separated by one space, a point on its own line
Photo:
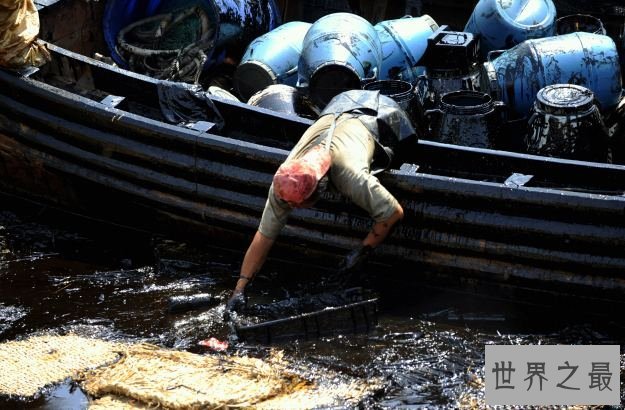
591 60
468 118
402 92
574 23
403 42
271 59
502 24
340 51
566 123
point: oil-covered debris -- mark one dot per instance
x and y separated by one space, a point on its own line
185 303
565 121
311 317
309 303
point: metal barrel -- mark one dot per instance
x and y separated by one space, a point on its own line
340 51
285 99
574 23
271 59
239 21
591 60
504 23
403 42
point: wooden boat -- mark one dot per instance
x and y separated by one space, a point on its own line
89 138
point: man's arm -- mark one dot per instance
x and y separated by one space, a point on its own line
254 259
381 229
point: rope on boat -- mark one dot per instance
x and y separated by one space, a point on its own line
144 44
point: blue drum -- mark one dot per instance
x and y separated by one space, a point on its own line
271 59
404 42
586 59
502 24
341 50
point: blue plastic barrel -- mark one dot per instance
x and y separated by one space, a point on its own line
340 51
240 21
271 59
502 24
589 60
403 42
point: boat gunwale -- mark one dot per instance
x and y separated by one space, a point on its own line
307 122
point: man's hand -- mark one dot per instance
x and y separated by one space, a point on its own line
350 268
237 302
355 260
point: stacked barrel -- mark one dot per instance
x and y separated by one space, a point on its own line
477 87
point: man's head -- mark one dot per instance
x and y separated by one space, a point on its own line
298 179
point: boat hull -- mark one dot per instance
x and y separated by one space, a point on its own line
467 213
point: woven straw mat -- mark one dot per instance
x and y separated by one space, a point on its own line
27 366
182 380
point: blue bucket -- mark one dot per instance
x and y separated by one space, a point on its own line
404 42
341 50
271 59
502 24
240 21
589 60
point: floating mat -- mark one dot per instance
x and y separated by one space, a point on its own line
330 394
27 366
117 403
182 380
343 395
141 376
152 377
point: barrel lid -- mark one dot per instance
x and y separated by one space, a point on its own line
528 12
562 99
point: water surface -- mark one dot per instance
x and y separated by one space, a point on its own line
428 348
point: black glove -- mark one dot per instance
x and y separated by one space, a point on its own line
350 268
356 259
237 303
